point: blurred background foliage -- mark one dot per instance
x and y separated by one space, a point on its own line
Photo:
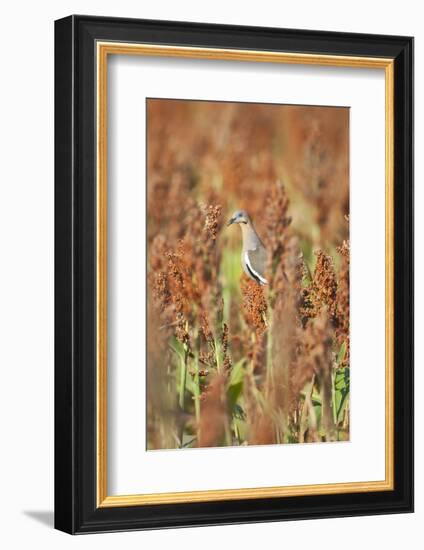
229 362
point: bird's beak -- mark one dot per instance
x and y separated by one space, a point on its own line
230 222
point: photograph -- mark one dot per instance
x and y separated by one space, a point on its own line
233 228
247 321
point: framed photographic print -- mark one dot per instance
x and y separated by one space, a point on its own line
234 269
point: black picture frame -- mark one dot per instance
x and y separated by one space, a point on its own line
76 510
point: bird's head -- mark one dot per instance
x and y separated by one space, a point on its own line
239 216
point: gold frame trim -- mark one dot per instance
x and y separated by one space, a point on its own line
119 48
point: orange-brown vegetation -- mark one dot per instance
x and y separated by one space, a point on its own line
231 362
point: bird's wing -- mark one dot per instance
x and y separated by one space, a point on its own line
256 263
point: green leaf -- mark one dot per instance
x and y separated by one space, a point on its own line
318 411
238 412
342 390
188 440
233 394
177 348
191 385
235 383
240 428
342 353
316 398
342 379
237 373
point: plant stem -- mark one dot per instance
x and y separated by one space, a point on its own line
217 348
228 435
269 344
333 395
307 411
183 377
197 381
236 430
327 421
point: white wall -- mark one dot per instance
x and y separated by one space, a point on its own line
26 271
